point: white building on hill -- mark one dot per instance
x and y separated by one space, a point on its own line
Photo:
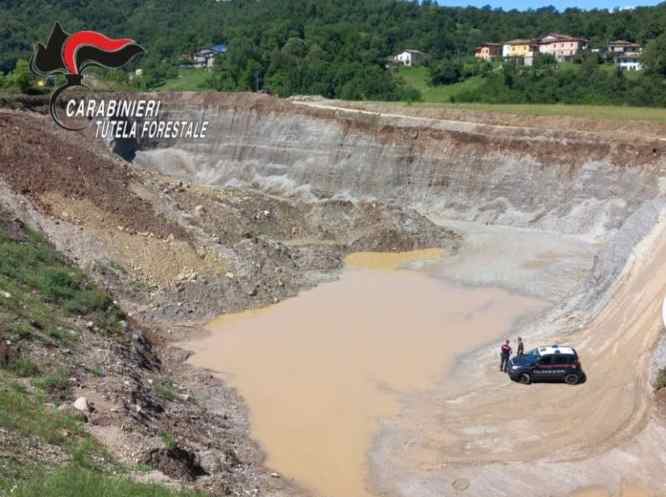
410 58
629 61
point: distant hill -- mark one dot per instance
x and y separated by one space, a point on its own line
336 48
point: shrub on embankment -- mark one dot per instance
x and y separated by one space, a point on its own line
660 382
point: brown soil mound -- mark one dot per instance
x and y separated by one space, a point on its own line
36 159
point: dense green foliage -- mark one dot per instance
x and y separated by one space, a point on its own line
336 48
20 78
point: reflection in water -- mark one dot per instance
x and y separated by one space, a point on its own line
390 260
318 371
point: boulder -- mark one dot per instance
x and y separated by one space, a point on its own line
70 411
81 404
210 462
16 230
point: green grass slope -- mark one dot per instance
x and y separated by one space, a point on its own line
418 78
187 80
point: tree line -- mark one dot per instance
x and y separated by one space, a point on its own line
334 48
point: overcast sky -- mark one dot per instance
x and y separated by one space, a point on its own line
535 4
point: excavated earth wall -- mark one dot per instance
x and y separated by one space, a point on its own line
570 182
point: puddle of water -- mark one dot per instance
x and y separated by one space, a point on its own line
320 370
392 260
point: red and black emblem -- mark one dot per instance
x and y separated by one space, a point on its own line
71 54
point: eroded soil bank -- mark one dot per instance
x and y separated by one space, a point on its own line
320 371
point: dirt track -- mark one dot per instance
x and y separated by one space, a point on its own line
497 433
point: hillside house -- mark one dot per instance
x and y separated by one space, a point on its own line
562 47
625 54
488 51
205 58
622 46
629 61
410 58
522 50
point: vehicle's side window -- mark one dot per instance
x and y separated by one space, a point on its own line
556 359
545 360
567 359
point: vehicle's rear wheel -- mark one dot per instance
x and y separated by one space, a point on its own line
525 378
571 379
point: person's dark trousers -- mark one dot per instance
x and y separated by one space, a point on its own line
504 364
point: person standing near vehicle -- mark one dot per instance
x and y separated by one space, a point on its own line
505 354
521 347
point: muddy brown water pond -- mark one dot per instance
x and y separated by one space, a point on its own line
321 370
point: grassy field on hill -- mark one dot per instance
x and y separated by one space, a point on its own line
605 112
440 96
594 112
187 80
418 77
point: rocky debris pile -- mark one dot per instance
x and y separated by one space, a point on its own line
274 247
175 462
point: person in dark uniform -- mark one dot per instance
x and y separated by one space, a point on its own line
505 354
521 347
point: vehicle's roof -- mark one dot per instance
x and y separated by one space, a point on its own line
556 349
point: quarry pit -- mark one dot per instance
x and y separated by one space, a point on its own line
549 232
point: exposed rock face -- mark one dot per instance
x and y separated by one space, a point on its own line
210 462
570 182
